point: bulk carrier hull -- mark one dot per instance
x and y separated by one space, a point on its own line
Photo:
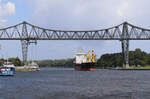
85 67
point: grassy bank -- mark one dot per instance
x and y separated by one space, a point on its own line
140 67
25 70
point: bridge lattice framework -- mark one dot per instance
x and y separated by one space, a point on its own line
28 33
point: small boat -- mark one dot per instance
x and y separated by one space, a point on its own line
33 66
8 69
84 62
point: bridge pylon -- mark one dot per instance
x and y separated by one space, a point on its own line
125 53
25 44
125 45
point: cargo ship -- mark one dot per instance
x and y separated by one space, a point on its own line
8 69
84 62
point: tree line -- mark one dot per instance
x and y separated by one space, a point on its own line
56 63
16 61
136 58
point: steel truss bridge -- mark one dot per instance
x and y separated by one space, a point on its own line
28 33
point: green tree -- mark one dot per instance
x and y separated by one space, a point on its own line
16 61
136 58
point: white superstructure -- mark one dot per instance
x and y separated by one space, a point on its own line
32 65
81 57
9 64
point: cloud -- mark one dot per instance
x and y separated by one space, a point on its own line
9 8
123 7
6 9
88 15
81 14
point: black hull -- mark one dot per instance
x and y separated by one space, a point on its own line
85 66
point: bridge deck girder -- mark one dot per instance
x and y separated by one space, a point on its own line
27 32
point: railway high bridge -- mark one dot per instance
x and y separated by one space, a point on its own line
28 33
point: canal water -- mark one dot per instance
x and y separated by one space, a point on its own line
65 83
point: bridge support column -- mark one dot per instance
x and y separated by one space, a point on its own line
125 53
125 45
25 44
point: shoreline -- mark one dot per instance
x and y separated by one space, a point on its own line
26 69
131 69
21 69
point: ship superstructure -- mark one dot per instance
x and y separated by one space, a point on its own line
85 61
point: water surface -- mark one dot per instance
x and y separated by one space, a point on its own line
65 83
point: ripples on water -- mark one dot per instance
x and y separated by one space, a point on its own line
65 83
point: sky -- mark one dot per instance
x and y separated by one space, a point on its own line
72 15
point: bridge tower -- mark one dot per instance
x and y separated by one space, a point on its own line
125 45
25 45
26 42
